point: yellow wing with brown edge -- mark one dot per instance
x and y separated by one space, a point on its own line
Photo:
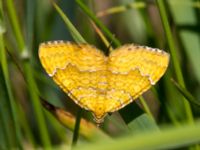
76 68
99 83
134 69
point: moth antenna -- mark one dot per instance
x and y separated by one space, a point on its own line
109 48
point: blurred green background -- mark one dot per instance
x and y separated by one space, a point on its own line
167 116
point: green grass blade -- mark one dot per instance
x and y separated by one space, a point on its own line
32 88
146 108
174 57
122 8
165 139
77 127
30 11
78 38
37 106
170 40
88 129
75 34
143 123
15 24
186 94
98 23
6 139
4 65
26 127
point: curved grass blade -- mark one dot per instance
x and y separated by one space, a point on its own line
155 139
185 93
87 129
4 65
173 53
98 23
78 38
75 34
32 87
123 8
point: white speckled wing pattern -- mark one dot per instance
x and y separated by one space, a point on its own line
99 83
